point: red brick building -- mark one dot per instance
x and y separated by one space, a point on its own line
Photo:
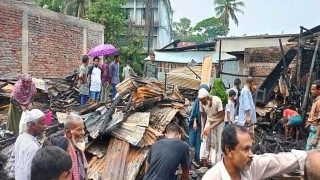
42 42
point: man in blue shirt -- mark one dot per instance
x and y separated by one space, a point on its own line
247 109
114 74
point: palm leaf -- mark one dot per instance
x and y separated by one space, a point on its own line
70 7
234 17
80 11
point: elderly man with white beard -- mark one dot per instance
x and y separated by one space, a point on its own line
74 131
27 144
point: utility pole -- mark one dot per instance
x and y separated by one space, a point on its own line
149 23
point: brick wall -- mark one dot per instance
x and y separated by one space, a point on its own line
261 61
10 40
53 42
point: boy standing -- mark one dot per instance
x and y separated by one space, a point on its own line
230 108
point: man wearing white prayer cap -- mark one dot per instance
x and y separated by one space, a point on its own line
27 144
212 116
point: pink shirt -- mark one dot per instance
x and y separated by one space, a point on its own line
289 112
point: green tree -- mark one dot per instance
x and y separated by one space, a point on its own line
76 7
53 5
132 48
124 36
204 31
182 29
227 9
110 14
211 28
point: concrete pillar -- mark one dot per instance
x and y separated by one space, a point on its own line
134 11
102 37
85 35
25 39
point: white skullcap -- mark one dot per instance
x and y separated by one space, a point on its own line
33 115
203 93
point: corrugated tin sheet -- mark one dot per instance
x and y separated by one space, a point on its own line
122 161
187 56
94 122
149 137
184 77
234 67
116 158
134 128
160 117
150 90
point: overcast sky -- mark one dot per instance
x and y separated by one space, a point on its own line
260 16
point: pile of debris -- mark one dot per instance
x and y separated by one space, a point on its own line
122 133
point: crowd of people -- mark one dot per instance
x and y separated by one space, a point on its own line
96 81
221 130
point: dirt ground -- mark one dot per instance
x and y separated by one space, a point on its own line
3 116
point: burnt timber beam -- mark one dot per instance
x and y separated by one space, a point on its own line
306 93
299 57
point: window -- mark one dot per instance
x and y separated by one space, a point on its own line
127 14
143 13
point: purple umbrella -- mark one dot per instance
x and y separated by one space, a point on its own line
103 49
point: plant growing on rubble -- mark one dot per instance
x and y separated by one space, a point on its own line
227 9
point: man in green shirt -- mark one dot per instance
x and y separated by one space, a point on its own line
151 67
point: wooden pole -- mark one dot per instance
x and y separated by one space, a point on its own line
285 70
299 58
219 62
306 93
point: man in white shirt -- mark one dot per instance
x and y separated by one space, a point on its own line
94 78
27 145
239 163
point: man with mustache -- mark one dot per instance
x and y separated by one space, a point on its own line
239 163
74 131
312 166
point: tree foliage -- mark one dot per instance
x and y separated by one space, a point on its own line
204 31
227 9
70 7
211 28
182 29
121 34
132 48
53 5
76 7
110 14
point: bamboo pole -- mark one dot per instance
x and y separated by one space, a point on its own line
285 70
306 93
299 58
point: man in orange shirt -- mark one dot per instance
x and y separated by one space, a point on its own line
292 118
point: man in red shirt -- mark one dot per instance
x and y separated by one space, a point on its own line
105 80
292 118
